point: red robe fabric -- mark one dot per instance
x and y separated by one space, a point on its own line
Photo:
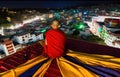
55 41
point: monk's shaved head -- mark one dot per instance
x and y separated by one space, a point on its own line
55 24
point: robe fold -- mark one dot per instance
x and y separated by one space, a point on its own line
54 43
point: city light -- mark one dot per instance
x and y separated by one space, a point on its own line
18 25
43 30
79 26
31 20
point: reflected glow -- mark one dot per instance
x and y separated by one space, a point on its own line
31 20
17 26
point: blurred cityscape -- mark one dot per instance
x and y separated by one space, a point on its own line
20 28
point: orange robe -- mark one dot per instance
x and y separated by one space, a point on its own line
55 41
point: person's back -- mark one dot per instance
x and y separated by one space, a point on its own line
55 41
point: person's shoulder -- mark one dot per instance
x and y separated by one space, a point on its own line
55 30
61 31
48 31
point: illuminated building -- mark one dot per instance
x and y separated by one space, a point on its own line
113 39
8 47
1 31
27 38
94 25
50 15
106 30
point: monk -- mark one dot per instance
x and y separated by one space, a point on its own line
55 40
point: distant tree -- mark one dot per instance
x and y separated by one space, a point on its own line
76 32
17 17
5 19
6 25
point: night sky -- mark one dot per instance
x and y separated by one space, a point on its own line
51 3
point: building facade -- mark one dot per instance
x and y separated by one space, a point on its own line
27 38
8 47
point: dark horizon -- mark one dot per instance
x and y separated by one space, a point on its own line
52 4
